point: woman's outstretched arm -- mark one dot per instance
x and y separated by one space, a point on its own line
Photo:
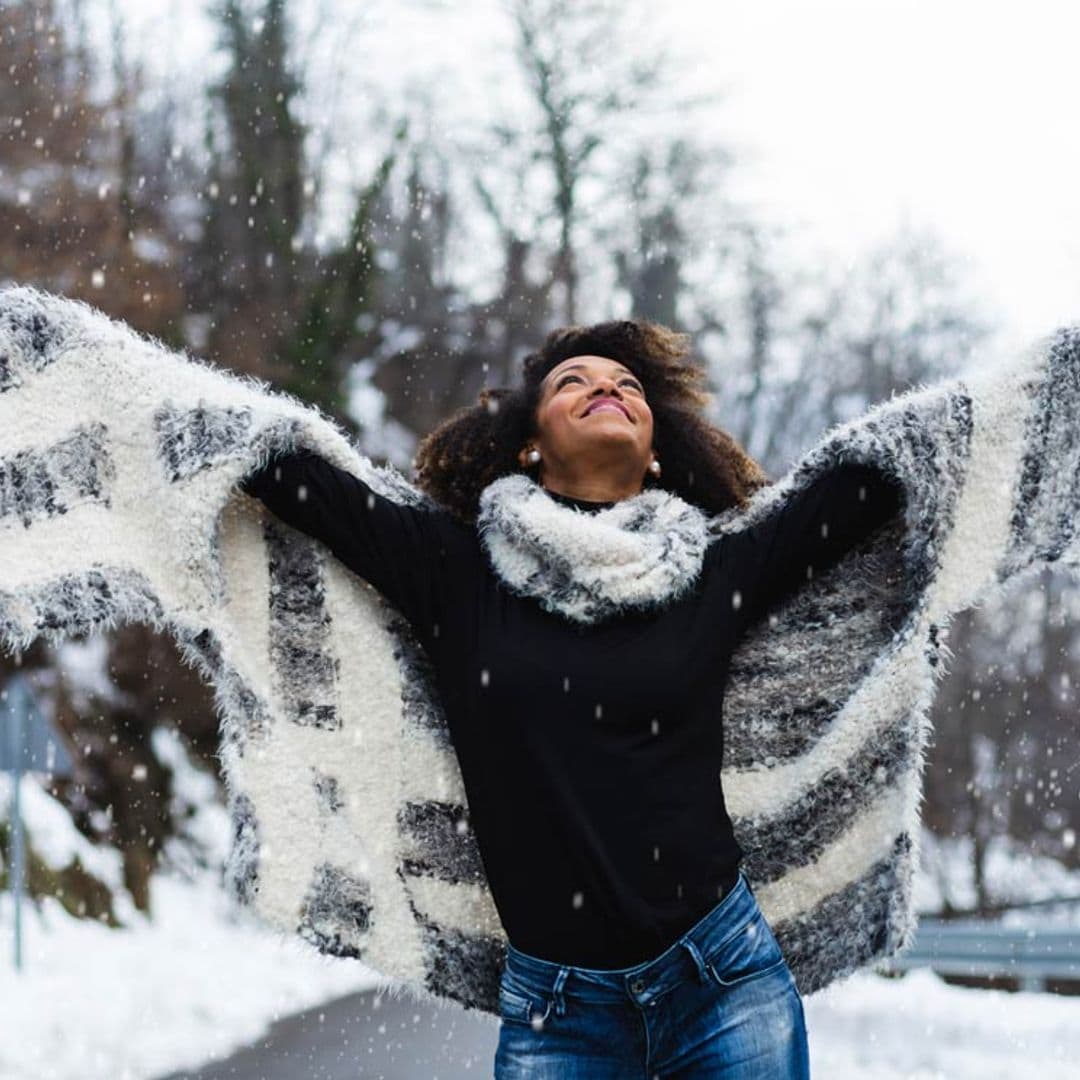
813 529
400 550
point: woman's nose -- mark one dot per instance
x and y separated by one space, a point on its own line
605 384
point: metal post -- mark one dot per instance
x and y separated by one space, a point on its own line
14 706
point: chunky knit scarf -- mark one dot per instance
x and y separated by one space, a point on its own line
119 466
640 553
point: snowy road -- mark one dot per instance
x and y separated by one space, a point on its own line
366 1035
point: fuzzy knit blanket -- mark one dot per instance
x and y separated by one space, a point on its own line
119 466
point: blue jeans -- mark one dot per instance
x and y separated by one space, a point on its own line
719 1003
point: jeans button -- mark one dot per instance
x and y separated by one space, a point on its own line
637 986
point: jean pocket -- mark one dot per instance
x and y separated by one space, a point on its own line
750 953
520 1005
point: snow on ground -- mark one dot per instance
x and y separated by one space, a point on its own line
919 1028
100 1004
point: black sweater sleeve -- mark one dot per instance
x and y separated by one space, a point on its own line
810 532
400 550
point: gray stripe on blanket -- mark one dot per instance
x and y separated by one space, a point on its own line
328 795
443 844
29 342
45 482
846 930
304 667
840 796
420 705
464 967
931 448
76 604
941 457
1044 517
337 912
191 440
242 864
245 719
11 631
778 709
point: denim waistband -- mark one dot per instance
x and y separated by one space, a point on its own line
652 978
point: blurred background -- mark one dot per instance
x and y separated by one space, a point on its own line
381 207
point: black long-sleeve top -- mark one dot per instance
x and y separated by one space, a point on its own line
590 754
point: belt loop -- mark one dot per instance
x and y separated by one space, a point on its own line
556 991
698 961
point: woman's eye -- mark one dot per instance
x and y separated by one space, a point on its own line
622 382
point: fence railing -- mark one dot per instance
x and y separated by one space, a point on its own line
984 949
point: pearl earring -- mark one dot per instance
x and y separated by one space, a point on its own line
533 456
654 467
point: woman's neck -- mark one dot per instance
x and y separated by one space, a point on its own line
581 504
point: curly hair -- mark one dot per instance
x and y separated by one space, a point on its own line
701 463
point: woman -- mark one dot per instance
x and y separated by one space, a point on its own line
589 747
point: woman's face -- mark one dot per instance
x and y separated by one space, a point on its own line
593 410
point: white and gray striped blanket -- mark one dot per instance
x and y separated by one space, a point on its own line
119 461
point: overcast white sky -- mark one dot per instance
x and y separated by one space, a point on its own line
959 114
849 116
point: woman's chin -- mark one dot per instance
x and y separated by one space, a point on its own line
609 437
606 424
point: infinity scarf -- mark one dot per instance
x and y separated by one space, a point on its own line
642 552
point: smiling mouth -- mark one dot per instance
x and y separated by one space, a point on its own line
608 404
